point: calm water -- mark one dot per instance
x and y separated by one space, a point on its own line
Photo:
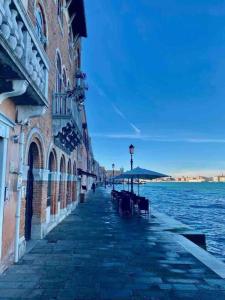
200 205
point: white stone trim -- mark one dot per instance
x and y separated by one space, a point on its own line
6 122
5 125
22 246
40 174
26 112
55 176
203 256
59 207
48 214
35 132
70 177
25 3
64 176
25 171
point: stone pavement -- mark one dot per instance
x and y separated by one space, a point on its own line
96 254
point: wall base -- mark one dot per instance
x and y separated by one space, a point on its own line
39 231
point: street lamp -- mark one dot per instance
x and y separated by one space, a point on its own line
131 150
113 168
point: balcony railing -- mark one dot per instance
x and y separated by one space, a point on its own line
22 55
65 107
67 125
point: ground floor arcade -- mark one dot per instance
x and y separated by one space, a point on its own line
39 187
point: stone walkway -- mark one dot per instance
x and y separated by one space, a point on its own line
96 254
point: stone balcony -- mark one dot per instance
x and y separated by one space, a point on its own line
67 124
66 115
22 56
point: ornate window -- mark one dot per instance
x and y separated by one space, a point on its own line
64 78
40 24
60 11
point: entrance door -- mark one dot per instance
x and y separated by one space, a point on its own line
49 197
29 199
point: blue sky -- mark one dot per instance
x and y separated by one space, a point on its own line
156 75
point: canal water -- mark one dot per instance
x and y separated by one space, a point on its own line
200 205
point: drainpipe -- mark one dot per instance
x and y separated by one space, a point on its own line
19 88
19 193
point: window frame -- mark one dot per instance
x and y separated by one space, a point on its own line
40 27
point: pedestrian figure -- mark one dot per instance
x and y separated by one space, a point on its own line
93 187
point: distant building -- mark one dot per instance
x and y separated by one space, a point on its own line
109 173
220 178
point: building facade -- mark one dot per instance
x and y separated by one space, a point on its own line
43 127
113 173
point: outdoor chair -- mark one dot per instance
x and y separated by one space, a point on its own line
143 205
125 206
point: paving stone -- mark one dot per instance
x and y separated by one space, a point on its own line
185 287
182 280
96 254
116 294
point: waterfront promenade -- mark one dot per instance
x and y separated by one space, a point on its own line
96 254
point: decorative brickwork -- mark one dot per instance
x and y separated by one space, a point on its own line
49 186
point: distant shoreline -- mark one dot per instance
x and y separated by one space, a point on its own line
184 182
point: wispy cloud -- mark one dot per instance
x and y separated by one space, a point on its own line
117 110
137 130
121 114
163 139
99 91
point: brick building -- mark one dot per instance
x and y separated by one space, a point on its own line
45 156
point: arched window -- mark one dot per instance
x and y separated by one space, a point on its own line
58 87
58 74
40 24
64 80
60 11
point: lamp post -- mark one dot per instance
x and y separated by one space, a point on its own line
113 168
131 150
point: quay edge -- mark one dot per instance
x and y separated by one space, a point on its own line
180 233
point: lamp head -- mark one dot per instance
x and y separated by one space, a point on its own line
131 149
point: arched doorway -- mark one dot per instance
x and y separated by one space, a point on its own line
33 162
69 187
51 193
61 197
